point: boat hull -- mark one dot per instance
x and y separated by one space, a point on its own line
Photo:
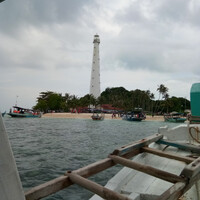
24 115
175 120
97 118
136 119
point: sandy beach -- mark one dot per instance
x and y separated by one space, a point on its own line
88 116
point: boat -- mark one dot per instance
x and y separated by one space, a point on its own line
175 117
98 116
136 115
23 112
159 163
162 166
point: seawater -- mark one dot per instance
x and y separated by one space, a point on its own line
45 148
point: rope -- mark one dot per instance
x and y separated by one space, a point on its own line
196 129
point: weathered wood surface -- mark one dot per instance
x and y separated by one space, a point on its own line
192 169
185 147
103 192
173 192
137 145
62 182
194 119
147 169
168 155
78 176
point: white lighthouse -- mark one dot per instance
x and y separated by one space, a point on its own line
95 73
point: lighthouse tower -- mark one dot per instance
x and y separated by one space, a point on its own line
95 73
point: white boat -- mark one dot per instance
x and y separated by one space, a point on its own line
149 176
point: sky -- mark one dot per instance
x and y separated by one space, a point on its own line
48 45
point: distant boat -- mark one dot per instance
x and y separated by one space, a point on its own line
175 117
136 115
23 112
97 116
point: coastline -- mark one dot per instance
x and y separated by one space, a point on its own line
88 116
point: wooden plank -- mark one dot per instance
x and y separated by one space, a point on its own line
192 169
194 119
180 190
137 145
185 147
103 192
62 182
168 155
48 188
174 192
147 169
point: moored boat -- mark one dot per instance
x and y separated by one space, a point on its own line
175 117
23 112
98 116
136 115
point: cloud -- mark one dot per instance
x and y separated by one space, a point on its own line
48 45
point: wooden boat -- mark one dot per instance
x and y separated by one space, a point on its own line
154 171
98 116
23 112
175 117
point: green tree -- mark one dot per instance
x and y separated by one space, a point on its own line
55 102
73 102
41 105
50 101
163 92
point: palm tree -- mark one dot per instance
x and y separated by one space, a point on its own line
162 93
162 90
73 102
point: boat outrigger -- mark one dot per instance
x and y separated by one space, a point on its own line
23 112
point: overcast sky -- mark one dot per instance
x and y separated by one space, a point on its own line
48 45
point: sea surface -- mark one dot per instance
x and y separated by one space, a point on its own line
45 148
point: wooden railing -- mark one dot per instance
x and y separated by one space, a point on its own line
181 184
194 119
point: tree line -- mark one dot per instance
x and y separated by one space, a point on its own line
117 97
